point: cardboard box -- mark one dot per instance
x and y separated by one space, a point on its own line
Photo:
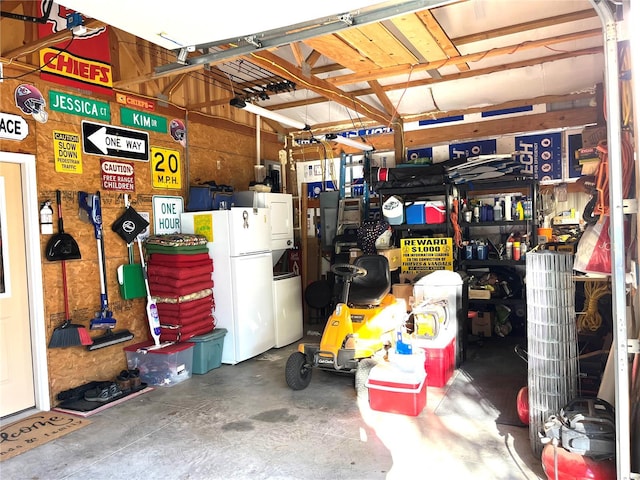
482 324
403 291
479 294
394 255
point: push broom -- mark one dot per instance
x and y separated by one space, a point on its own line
62 247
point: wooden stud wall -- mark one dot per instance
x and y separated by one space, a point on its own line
217 150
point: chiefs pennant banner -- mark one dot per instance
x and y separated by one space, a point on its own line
82 62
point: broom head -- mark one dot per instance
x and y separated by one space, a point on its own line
69 335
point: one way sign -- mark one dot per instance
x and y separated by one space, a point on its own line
117 142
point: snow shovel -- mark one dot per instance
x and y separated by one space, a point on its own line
91 209
130 277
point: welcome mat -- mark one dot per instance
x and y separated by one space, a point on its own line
36 430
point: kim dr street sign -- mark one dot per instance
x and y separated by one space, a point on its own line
116 142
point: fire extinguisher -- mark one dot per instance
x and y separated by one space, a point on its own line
46 218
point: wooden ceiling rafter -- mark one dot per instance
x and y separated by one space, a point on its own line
455 76
339 126
441 37
297 54
376 74
284 69
524 27
375 42
382 96
417 33
335 48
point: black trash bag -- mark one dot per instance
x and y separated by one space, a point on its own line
368 233
129 225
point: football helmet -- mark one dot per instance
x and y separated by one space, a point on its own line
31 102
178 131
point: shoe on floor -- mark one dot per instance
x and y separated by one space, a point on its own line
134 378
124 381
103 393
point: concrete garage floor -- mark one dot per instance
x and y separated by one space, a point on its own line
243 422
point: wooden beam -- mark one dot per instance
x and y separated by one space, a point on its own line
398 141
455 76
523 27
382 96
297 53
441 37
313 57
278 66
335 48
376 74
375 42
576 117
439 135
416 32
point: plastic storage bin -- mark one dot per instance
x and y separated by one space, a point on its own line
435 212
394 389
415 213
163 367
207 352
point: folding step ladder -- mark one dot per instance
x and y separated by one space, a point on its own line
353 206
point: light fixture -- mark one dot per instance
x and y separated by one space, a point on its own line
250 107
349 141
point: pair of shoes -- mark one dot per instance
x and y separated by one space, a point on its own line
129 380
105 392
134 378
124 381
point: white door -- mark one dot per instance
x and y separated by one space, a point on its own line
249 230
252 284
17 391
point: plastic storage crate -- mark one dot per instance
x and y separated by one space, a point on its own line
163 367
207 352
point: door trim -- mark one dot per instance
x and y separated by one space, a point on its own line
34 275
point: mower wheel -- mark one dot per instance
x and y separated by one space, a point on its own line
298 371
362 375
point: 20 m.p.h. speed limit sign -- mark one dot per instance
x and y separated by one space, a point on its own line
165 168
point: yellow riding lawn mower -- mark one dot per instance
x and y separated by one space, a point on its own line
362 324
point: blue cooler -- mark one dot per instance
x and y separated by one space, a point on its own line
207 351
415 213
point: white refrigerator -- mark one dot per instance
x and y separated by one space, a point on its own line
239 245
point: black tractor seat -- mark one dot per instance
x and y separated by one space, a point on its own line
371 288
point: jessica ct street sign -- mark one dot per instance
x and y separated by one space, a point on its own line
117 142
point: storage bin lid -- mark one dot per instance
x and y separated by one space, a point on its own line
441 278
395 374
169 349
206 337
